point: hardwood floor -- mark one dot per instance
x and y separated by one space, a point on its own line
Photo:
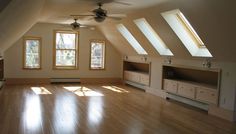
99 109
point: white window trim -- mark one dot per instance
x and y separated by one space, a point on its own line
186 33
153 37
130 38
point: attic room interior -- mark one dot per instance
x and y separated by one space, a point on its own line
117 67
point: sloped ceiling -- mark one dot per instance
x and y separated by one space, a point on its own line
214 21
3 4
16 19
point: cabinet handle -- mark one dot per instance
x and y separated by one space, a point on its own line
212 94
201 91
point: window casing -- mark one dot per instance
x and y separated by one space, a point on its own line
32 53
153 37
65 50
97 55
130 38
186 33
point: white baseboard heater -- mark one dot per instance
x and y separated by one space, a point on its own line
65 80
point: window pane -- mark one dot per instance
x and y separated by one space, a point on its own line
32 56
97 55
65 41
130 38
65 58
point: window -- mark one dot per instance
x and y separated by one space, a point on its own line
65 50
97 54
189 37
130 38
153 37
32 53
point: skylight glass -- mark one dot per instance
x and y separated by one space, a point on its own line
186 33
153 37
130 38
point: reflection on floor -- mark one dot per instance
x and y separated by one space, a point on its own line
99 109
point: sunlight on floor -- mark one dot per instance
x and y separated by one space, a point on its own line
40 90
83 91
116 89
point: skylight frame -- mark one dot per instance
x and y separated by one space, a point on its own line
131 39
153 37
186 33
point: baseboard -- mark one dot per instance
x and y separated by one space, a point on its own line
19 81
137 85
16 81
157 92
222 113
101 80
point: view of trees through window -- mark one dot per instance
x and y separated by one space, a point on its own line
97 55
65 49
32 53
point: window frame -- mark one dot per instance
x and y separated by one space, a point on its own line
186 33
25 38
104 54
55 67
132 41
155 40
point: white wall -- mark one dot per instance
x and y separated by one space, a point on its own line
13 56
228 76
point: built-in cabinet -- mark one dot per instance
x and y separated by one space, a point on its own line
136 73
198 84
137 77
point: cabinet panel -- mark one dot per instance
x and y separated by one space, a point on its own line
136 77
144 79
206 95
186 90
170 86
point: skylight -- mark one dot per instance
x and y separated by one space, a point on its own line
183 29
130 38
153 37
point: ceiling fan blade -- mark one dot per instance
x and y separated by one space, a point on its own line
114 18
117 15
82 15
122 3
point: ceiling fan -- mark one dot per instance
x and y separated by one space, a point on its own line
101 14
76 25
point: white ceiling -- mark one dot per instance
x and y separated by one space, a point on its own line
59 11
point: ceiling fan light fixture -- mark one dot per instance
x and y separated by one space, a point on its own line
99 19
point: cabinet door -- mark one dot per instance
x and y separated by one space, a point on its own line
170 86
144 79
207 95
135 77
127 75
131 76
186 90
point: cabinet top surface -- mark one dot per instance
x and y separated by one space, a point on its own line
192 67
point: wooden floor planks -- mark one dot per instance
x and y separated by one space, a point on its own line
99 109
